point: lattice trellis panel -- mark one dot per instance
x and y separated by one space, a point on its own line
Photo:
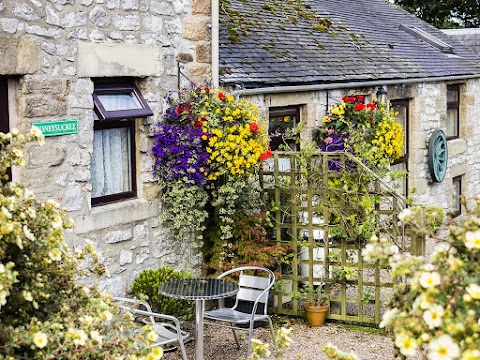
306 197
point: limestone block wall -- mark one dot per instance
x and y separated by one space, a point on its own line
427 112
51 50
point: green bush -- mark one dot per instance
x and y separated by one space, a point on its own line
147 283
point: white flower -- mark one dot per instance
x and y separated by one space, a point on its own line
95 335
443 348
7 213
107 316
40 340
433 316
387 318
87 320
429 280
86 290
404 214
28 234
55 254
2 268
369 253
472 239
406 344
79 337
474 291
152 336
471 354
27 295
157 352
14 131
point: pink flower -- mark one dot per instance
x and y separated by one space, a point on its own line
328 140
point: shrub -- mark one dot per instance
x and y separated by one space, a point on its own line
147 283
44 313
437 308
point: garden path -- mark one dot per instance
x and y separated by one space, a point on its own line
367 343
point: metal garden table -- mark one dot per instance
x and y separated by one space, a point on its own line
199 289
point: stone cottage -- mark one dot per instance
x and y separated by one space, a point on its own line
93 74
298 61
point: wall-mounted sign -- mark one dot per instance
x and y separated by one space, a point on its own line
61 127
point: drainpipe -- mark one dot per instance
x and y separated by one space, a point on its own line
215 42
349 85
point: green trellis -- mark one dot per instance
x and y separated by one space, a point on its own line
304 203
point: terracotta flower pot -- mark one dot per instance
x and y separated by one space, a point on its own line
316 315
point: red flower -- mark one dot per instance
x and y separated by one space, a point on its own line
359 107
254 127
267 154
178 110
360 98
203 119
187 107
221 95
197 124
371 106
371 118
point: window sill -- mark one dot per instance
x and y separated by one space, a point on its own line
114 214
456 147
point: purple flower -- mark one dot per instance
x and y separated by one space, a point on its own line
179 154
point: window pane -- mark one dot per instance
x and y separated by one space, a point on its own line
111 172
400 184
401 118
452 122
452 95
457 191
278 126
118 102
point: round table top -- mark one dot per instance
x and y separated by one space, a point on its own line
198 288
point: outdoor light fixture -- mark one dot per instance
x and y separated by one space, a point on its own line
382 95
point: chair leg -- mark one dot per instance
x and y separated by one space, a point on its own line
272 330
184 351
250 335
236 339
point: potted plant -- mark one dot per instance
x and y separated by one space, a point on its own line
315 303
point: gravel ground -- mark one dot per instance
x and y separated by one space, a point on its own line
220 344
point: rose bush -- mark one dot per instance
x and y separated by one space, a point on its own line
44 313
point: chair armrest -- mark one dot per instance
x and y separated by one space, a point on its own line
157 315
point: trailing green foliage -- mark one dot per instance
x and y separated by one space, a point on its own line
147 283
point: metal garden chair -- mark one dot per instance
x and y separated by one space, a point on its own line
253 295
167 327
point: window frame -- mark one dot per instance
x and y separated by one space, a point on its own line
115 120
453 105
457 200
101 88
4 113
294 112
404 159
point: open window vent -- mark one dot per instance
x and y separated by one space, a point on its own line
430 39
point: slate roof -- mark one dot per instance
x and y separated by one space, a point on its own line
469 37
280 48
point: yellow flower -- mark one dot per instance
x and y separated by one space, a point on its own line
40 340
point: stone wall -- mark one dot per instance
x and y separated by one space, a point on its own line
51 50
427 103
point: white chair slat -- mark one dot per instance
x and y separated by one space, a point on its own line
251 295
255 282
